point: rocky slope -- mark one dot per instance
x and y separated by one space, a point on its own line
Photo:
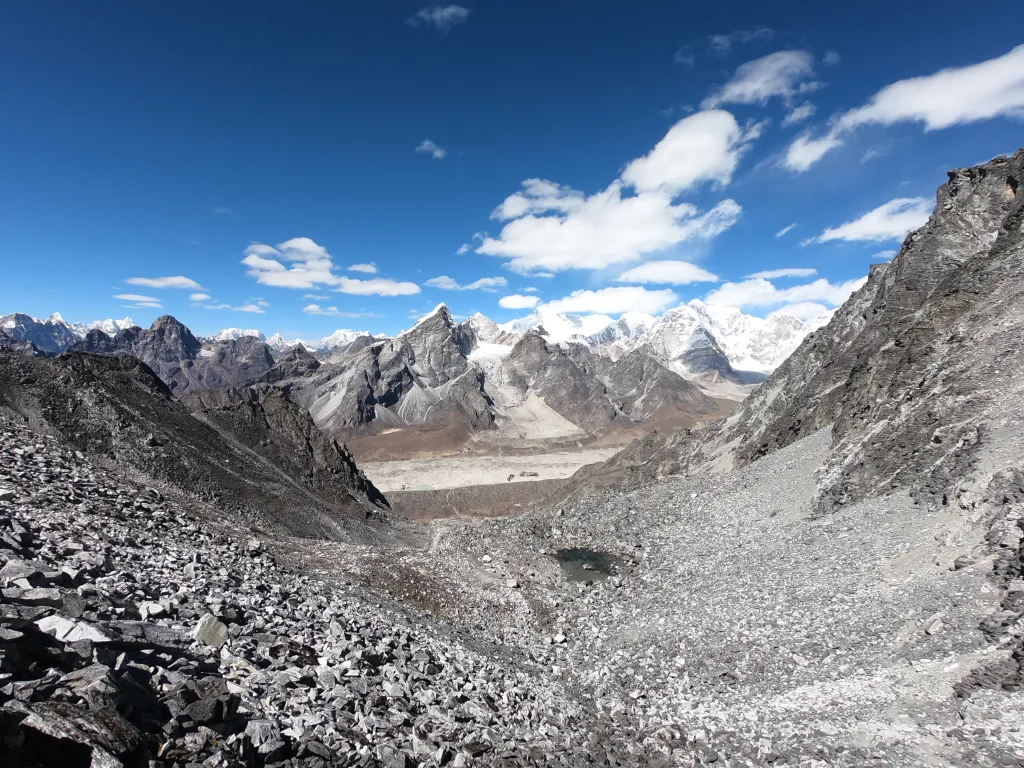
134 632
256 455
916 373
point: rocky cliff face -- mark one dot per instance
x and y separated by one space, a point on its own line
258 457
917 374
420 377
181 360
265 419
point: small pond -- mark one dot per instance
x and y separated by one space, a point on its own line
588 564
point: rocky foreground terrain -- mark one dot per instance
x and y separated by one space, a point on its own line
832 576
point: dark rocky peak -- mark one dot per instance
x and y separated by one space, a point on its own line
170 330
436 347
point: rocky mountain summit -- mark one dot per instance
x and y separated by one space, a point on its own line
181 360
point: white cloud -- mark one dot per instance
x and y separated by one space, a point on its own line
552 227
771 274
529 289
953 96
758 292
831 58
377 286
483 284
199 297
784 74
463 249
799 114
369 268
884 255
144 305
309 266
315 296
785 230
316 309
889 221
607 229
441 17
614 301
667 272
517 301
721 44
435 151
706 146
136 297
685 56
222 210
165 282
253 308
805 150
802 310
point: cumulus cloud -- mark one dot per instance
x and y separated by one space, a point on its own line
529 289
199 297
483 284
435 151
953 96
315 296
316 309
369 268
785 230
771 274
783 74
440 17
136 297
799 114
889 221
614 301
552 227
704 147
463 249
165 282
303 263
667 272
377 286
518 301
721 44
759 292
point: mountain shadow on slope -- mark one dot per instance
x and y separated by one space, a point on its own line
253 454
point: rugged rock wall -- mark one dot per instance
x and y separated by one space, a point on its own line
912 371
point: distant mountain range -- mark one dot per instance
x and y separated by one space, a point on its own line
696 340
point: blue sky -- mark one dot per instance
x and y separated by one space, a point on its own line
141 141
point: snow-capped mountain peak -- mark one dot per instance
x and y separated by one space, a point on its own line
233 334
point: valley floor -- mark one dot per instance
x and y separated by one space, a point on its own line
740 628
464 470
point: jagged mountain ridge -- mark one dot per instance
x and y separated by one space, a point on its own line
181 360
